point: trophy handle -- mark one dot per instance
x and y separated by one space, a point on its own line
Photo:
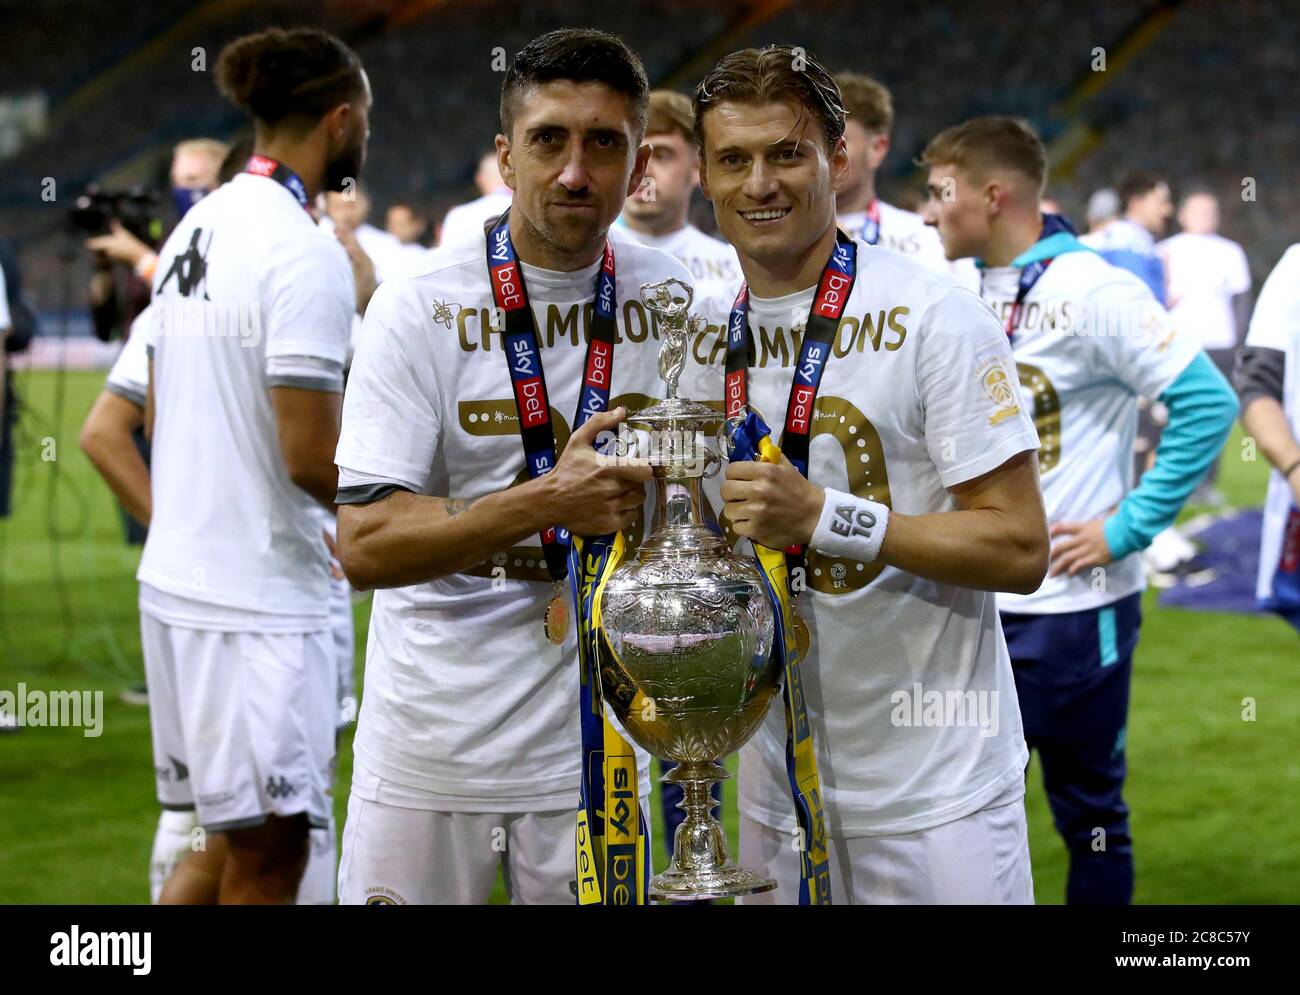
726 434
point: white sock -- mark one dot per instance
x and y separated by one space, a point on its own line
318 880
172 841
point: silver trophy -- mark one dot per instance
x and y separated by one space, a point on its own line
688 624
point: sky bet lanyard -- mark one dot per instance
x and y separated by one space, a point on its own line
260 165
524 356
752 442
871 226
1053 224
814 353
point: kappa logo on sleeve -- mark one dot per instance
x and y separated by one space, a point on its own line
998 388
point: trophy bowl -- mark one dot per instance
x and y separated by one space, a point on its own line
687 667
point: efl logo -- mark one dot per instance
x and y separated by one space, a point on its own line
801 399
532 405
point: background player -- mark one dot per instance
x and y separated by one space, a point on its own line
1089 339
243 402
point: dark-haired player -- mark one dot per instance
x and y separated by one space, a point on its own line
468 751
252 308
919 497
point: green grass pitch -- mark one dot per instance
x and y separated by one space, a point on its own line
1213 795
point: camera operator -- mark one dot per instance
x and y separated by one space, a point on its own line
195 163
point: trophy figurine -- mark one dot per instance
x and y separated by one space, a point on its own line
688 669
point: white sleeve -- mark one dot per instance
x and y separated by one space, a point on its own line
392 408
1275 322
308 297
6 319
305 373
458 227
129 377
1239 272
1134 338
974 417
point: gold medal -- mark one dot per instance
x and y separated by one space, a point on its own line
802 637
556 620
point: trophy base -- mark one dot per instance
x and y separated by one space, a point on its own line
728 881
701 868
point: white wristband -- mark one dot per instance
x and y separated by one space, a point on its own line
852 528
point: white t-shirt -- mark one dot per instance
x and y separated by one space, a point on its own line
1275 324
903 414
1121 234
1091 338
466 701
129 376
464 222
906 232
715 269
390 256
1205 273
249 294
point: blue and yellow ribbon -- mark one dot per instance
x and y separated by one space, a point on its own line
612 840
753 440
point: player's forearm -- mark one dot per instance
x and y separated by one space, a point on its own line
981 548
1266 422
320 479
407 538
115 456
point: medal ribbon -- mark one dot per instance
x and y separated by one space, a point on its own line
611 841
753 440
1035 261
260 165
815 351
523 353
870 232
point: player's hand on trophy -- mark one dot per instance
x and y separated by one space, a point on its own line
594 494
771 503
